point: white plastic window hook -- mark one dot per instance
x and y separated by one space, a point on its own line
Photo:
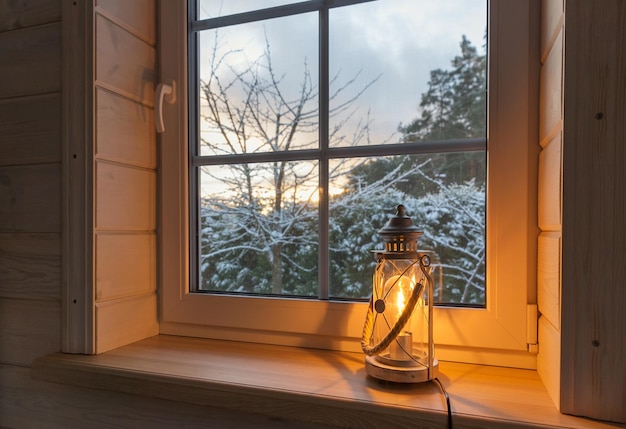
164 92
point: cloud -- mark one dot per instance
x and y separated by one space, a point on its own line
400 41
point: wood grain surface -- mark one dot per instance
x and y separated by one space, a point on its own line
310 385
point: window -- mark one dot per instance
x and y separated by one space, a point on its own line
334 107
328 143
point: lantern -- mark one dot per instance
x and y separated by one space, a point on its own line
398 331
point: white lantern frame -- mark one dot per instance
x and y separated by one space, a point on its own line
398 331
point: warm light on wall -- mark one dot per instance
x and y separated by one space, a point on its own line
398 331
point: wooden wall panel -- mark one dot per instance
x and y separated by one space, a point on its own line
550 97
551 23
125 321
549 358
125 198
549 277
125 176
30 198
30 60
549 186
30 266
125 265
125 130
138 17
28 329
30 179
594 211
124 63
30 129
549 207
27 13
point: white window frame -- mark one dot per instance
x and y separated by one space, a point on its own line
495 335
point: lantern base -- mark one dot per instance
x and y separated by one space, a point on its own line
400 374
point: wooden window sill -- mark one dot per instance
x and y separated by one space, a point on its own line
319 386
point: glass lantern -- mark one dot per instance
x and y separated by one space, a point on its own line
398 330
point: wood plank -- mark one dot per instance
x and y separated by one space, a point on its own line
30 266
25 402
311 385
125 265
549 186
30 60
551 90
28 13
551 24
125 198
28 329
594 194
125 130
137 17
549 359
549 277
30 130
125 63
30 198
125 321
78 176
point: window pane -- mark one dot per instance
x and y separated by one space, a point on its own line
400 72
258 86
444 195
258 228
401 67
217 8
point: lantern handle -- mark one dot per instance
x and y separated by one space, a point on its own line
368 327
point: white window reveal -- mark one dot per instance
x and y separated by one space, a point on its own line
298 129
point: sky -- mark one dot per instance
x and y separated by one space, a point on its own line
391 44
397 41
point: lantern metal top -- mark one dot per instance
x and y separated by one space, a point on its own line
400 234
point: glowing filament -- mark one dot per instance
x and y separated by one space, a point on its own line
400 301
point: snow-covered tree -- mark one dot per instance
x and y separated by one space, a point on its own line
258 230
452 217
444 193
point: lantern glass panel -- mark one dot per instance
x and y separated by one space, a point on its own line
395 280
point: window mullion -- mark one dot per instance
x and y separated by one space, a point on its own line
257 15
408 148
323 230
269 13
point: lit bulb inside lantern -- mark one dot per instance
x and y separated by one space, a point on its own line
401 348
400 302
402 288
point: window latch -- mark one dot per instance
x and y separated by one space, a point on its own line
164 92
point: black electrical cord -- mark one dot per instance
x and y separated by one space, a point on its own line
445 394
